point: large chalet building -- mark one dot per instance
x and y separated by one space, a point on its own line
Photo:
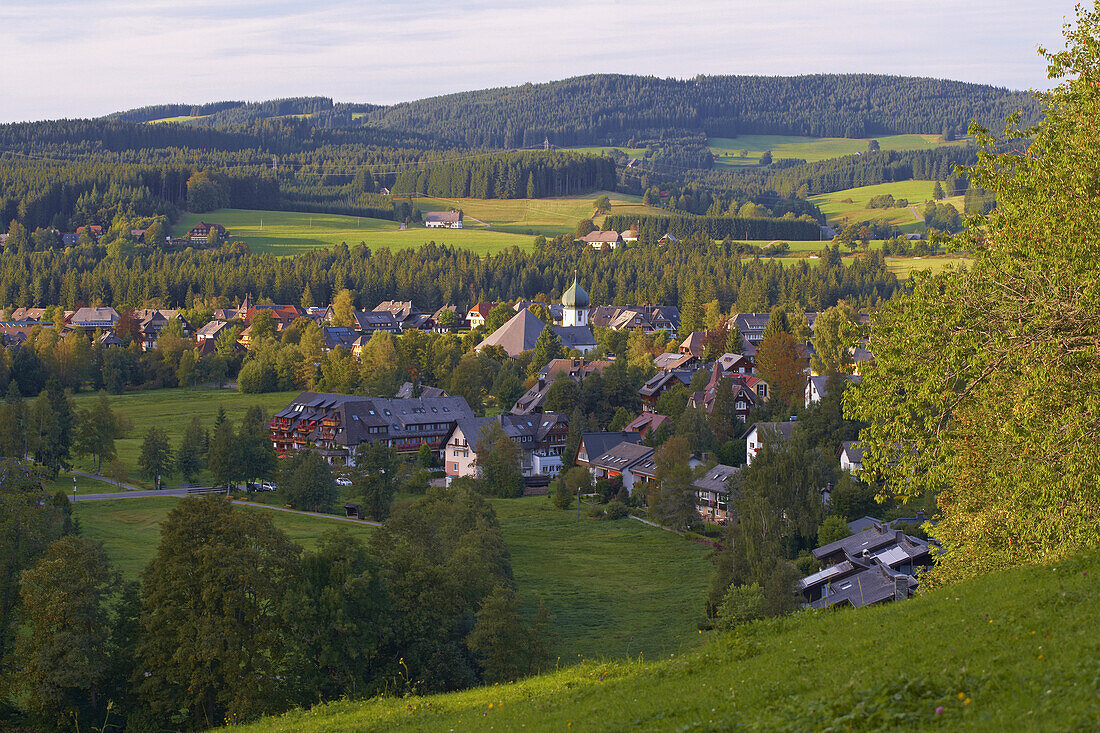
335 425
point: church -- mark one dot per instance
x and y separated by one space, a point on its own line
521 332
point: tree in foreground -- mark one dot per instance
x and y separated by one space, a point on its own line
985 390
507 646
64 654
215 643
376 478
674 504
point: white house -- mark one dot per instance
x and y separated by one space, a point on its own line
851 457
759 433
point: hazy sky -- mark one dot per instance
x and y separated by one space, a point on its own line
80 58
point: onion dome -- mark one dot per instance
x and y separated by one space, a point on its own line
575 297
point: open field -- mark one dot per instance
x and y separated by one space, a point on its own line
172 409
850 205
1014 650
812 149
903 267
130 528
285 233
549 216
181 118
615 589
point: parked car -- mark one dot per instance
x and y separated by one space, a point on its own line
343 481
252 486
268 486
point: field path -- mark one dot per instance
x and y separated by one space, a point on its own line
913 209
104 479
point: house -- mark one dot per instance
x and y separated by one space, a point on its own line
201 232
405 313
594 445
851 457
736 364
90 319
748 392
630 235
761 432
28 315
541 439
751 326
669 361
283 315
817 387
575 369
367 322
629 317
601 240
875 565
339 336
407 390
460 322
713 494
694 344
94 229
138 235
69 239
651 391
109 340
335 425
646 423
477 315
210 331
668 238
443 220
616 462
151 321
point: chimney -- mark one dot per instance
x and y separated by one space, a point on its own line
901 587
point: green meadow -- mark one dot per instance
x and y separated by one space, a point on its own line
811 149
171 410
1014 650
285 233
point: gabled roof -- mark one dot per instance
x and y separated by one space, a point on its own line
573 337
693 344
446 217
598 237
596 444
663 380
647 421
852 451
94 315
668 360
211 329
519 334
877 584
622 456
715 478
782 429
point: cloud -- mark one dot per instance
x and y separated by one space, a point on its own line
84 58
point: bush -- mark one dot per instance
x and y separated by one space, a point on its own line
742 603
806 564
832 529
560 496
615 510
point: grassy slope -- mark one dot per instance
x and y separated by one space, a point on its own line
549 216
287 233
130 528
1013 651
172 409
615 589
839 211
811 149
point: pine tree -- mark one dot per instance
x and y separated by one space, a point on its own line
189 455
156 454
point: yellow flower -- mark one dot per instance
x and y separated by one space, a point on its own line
962 695
966 701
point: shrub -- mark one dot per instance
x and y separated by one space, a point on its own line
806 564
743 603
560 496
615 510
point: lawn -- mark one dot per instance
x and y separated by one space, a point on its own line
1015 650
130 528
172 409
615 589
285 233
811 149
549 216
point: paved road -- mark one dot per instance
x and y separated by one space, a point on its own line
135 494
104 479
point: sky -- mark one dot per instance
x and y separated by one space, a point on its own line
84 58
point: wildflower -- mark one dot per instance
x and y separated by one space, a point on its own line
966 701
939 710
962 695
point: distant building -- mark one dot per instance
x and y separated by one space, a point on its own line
760 432
477 315
201 232
713 494
335 425
610 239
541 439
522 331
89 319
443 220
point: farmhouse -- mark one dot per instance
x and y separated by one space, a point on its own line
610 239
201 232
335 425
443 220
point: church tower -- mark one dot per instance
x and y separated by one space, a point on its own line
574 306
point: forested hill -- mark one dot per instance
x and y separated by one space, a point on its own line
612 109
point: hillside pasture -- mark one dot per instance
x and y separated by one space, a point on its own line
285 233
172 410
812 149
550 217
181 118
850 205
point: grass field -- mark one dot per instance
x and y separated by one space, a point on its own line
130 528
615 589
285 233
903 267
1017 650
181 118
811 149
850 205
172 409
549 217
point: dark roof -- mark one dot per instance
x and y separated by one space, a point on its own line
853 451
782 429
519 334
663 380
877 584
573 337
715 479
596 444
622 456
448 217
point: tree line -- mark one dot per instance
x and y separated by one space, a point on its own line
510 176
717 227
